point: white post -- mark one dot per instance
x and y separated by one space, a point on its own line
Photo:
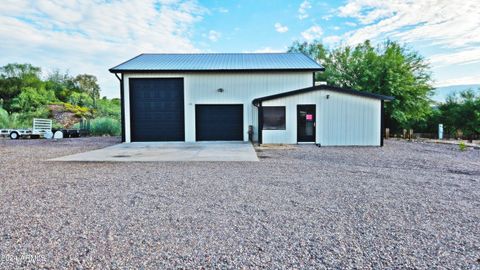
440 131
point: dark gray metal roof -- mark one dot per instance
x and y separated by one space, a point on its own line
218 62
323 87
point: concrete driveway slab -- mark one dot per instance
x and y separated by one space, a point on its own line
169 151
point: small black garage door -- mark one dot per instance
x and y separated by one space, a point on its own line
156 110
219 122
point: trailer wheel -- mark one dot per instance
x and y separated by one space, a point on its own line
14 135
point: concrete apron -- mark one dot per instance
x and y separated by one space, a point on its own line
169 151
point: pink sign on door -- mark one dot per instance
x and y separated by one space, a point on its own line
309 117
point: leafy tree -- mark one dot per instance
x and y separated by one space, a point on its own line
80 99
88 84
108 108
62 84
24 95
15 77
31 99
461 112
24 71
315 50
388 69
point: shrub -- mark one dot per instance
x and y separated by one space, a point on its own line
4 118
81 99
79 111
462 146
108 108
31 99
15 121
26 118
21 120
105 126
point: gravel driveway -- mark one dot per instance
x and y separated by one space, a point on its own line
406 205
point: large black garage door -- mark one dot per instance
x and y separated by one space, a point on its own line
219 122
156 110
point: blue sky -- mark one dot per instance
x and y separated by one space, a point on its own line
91 36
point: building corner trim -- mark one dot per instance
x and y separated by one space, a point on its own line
382 122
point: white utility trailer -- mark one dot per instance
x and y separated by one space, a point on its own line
40 127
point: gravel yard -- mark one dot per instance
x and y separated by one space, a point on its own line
406 205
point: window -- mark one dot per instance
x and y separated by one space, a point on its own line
274 118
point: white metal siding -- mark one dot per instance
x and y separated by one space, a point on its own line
342 119
239 88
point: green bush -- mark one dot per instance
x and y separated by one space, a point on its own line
25 119
81 100
462 146
4 118
15 121
31 99
21 120
108 108
104 126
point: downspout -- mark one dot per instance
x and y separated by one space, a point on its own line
260 121
122 107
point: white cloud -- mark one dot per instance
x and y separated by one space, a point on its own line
92 36
351 24
331 40
467 56
213 35
449 26
312 33
280 28
375 10
453 23
303 9
458 81
351 9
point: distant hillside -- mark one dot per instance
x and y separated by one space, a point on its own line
441 93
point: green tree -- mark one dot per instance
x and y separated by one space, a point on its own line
461 112
32 99
26 72
108 108
15 77
388 69
316 51
24 95
62 84
80 99
88 84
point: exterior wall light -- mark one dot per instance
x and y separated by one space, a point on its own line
220 90
328 96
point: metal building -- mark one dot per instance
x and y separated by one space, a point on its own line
219 97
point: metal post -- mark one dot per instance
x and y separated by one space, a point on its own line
440 131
